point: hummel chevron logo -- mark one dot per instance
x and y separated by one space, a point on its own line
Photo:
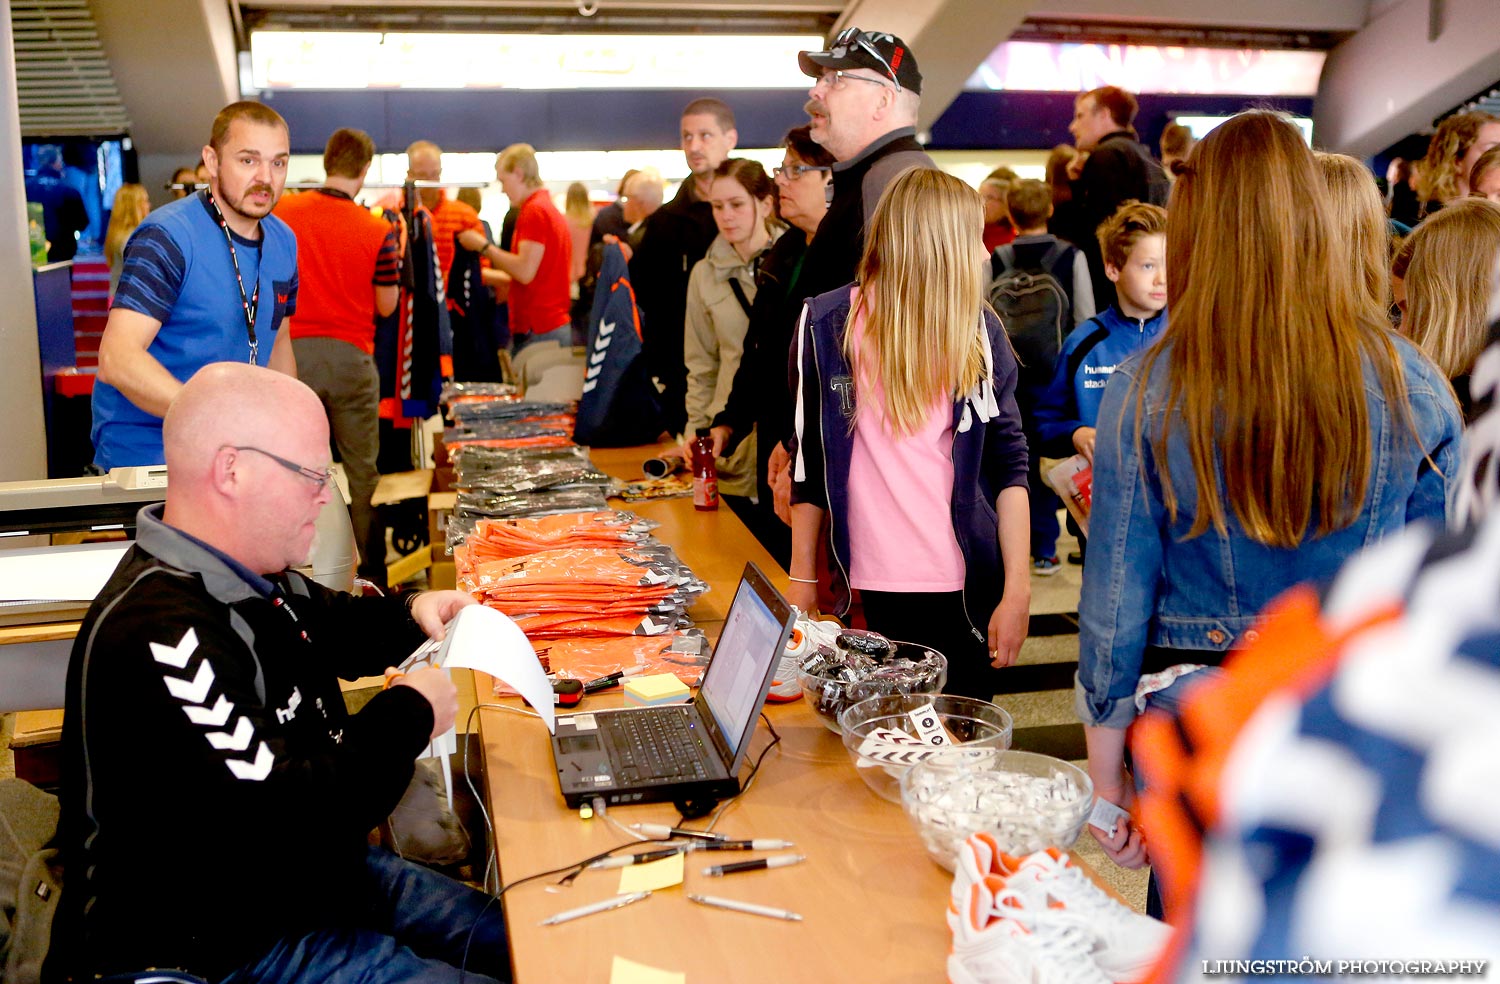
593 371
236 742
254 771
210 717
598 357
176 656
194 691
606 328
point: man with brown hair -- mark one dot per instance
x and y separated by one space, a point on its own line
1117 168
677 236
207 278
350 274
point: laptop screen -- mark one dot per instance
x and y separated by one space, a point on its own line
733 687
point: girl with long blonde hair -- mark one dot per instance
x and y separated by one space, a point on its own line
1448 281
1359 217
909 461
132 205
1276 427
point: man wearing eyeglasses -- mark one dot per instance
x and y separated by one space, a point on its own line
863 110
217 796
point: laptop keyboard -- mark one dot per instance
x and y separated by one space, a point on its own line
655 744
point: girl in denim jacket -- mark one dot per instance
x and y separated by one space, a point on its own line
908 450
1276 428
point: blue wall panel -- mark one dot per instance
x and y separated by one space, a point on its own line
473 120
1035 120
470 120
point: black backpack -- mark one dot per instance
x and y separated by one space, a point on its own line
1035 310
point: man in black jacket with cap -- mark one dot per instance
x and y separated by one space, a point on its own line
863 111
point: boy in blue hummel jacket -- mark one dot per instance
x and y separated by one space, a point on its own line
1133 242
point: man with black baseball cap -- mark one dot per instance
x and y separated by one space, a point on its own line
863 110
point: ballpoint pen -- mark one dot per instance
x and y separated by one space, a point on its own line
750 907
625 860
760 844
662 830
617 902
779 861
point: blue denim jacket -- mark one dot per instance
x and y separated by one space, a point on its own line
1144 585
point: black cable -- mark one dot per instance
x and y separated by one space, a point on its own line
745 787
572 871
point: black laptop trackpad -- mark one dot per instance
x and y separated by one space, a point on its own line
574 744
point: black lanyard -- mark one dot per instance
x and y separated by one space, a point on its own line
249 304
280 602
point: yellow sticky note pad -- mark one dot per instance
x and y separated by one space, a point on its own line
629 972
651 876
657 688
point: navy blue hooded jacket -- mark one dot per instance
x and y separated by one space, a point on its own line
1089 356
989 449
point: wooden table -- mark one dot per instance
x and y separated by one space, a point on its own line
873 902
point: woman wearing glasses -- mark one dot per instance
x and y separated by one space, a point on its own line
910 458
760 400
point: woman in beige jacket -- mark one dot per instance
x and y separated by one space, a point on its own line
721 289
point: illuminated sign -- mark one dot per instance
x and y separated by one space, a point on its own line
369 60
1036 66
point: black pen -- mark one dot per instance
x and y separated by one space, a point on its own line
779 861
604 682
662 830
762 844
626 860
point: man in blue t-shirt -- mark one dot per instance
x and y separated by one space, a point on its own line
209 278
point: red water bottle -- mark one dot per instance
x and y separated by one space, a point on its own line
705 474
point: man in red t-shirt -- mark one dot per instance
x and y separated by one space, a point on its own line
349 262
541 265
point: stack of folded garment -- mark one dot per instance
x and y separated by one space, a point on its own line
502 539
640 580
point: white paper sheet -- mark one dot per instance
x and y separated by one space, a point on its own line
72 573
483 639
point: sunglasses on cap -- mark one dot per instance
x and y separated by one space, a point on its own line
853 37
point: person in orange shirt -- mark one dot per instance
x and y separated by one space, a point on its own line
424 162
540 269
349 272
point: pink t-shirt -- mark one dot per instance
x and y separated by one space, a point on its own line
900 498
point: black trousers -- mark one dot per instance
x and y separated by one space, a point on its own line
937 620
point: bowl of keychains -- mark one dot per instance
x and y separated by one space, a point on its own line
1025 800
886 736
862 665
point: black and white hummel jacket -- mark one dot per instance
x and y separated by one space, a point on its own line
216 795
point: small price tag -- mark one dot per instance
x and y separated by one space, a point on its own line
929 727
1106 816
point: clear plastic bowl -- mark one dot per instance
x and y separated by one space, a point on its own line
951 795
971 724
830 696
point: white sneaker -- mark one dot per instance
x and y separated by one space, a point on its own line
1001 939
1128 943
807 635
978 858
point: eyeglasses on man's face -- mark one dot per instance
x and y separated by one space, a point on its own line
318 478
794 171
835 79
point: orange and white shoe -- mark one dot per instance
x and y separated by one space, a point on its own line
1128 943
807 634
1000 938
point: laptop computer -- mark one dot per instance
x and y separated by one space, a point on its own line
682 752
